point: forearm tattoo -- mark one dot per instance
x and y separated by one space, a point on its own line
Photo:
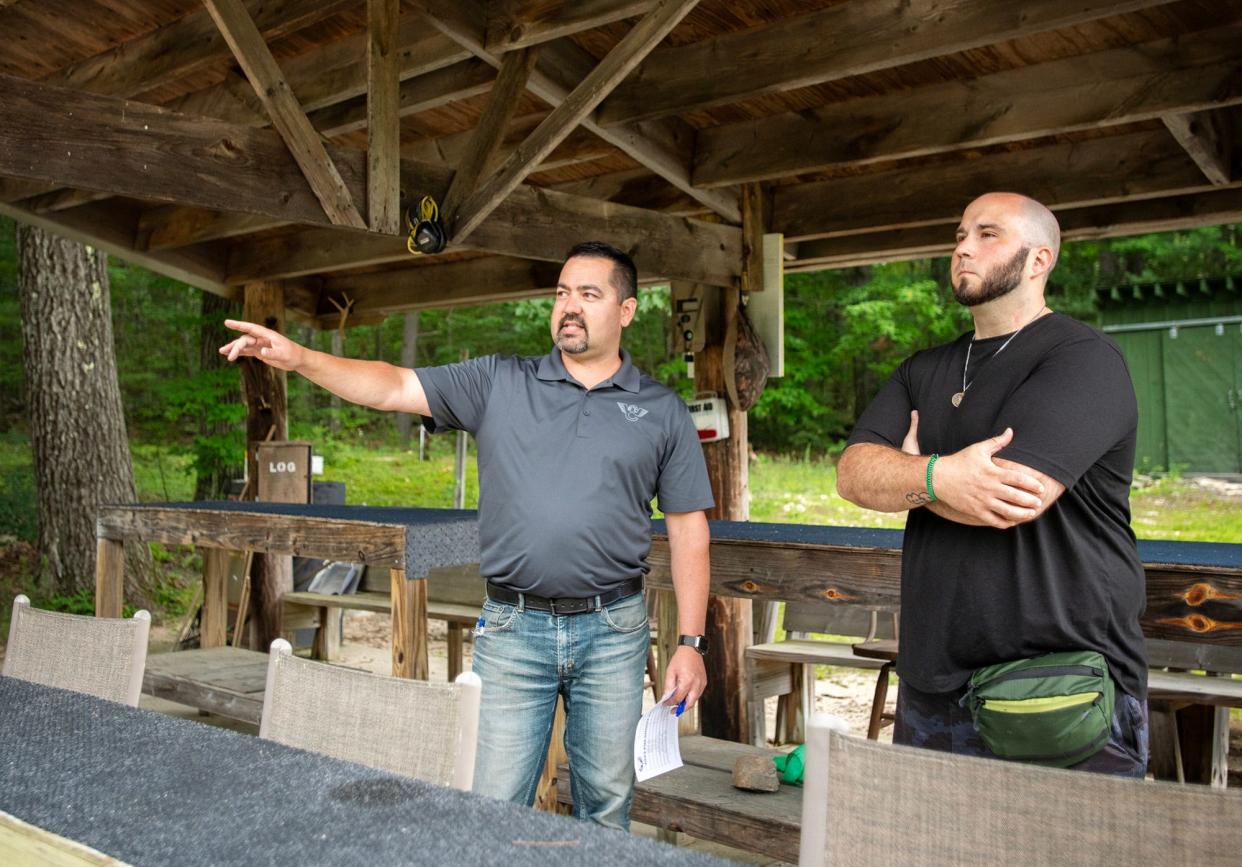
918 498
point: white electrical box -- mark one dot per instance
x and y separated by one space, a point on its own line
711 417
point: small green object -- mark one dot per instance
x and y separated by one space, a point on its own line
931 463
791 765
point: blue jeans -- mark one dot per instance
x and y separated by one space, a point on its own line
595 661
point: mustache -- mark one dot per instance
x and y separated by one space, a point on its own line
574 318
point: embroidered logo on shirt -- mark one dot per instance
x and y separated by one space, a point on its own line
631 412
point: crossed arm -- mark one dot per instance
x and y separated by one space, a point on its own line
972 486
370 383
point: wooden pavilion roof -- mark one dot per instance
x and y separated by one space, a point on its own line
856 128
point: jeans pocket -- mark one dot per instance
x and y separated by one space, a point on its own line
626 615
498 617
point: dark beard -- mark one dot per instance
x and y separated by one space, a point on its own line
997 283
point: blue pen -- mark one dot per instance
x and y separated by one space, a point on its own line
681 707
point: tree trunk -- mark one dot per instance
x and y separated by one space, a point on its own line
409 358
77 425
215 470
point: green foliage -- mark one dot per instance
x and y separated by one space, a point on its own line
19 517
12 368
80 602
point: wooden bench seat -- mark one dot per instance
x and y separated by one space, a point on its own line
454 595
806 651
700 800
1196 688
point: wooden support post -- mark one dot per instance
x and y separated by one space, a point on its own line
409 626
267 417
109 577
383 117
214 626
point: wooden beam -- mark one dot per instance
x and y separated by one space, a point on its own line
1129 166
383 120
1173 213
529 22
664 147
1123 85
487 136
132 149
441 87
170 226
1208 137
269 83
185 47
610 72
844 40
637 188
110 227
475 281
530 224
449 150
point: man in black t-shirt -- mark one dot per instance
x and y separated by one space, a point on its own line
1012 449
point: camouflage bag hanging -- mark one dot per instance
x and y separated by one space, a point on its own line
1055 709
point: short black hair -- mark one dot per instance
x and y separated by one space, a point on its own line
624 274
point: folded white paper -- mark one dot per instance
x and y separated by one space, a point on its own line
656 748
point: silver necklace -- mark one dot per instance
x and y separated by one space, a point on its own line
959 396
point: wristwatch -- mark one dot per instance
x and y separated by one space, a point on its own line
698 642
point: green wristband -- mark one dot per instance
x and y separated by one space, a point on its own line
931 463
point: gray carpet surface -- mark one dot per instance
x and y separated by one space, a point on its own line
151 789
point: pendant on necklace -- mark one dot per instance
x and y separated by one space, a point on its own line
957 398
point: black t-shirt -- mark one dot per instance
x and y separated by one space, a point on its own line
1069 580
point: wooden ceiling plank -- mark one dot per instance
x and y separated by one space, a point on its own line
665 147
184 47
383 118
168 227
642 38
459 81
843 40
488 136
1173 213
1130 166
252 54
528 22
1207 136
111 227
1122 85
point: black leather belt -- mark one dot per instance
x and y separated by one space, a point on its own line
569 605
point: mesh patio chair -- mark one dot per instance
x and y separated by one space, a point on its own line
99 656
424 730
869 803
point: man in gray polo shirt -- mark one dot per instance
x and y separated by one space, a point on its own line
573 446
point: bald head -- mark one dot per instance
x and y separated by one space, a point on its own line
1036 224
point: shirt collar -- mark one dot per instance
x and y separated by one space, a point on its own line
552 369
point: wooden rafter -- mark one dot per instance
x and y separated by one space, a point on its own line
252 54
1207 136
131 149
1094 221
664 147
488 135
383 120
1121 85
1132 166
531 224
530 22
477 281
611 71
843 40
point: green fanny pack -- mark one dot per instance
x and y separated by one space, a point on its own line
1054 709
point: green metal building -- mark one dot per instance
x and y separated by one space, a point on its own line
1183 342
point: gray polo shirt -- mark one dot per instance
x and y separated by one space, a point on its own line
566 475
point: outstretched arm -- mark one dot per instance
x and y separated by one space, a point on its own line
973 488
688 542
370 383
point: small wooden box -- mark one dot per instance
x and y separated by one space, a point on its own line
284 472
